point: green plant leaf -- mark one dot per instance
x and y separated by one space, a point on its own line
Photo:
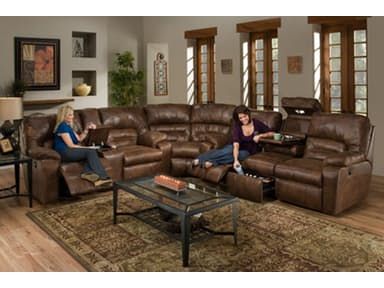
126 84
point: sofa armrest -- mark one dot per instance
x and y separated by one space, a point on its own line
344 159
151 138
42 153
115 158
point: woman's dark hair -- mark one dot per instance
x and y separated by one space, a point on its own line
242 109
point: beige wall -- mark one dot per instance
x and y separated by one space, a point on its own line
171 30
125 34
375 87
113 34
295 39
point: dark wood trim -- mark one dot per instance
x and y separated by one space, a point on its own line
259 26
345 70
210 42
201 33
46 102
198 98
334 20
211 70
347 65
251 73
325 81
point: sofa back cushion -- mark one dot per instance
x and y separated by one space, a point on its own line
38 130
270 118
122 137
90 115
211 119
171 119
329 134
123 118
126 124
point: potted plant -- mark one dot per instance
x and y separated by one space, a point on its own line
18 88
126 84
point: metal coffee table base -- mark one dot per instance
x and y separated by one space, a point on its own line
151 217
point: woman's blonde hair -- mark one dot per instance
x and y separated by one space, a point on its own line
61 114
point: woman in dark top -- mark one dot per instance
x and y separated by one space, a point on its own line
246 134
67 144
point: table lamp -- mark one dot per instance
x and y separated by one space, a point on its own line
11 108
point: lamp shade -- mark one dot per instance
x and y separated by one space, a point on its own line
11 108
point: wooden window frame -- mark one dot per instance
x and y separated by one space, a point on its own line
346 25
210 42
268 73
267 29
204 36
348 99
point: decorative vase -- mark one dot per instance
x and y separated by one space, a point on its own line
83 89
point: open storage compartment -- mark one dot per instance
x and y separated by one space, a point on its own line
249 187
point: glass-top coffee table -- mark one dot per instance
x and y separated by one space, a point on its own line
195 199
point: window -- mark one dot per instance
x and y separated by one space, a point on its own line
342 43
260 73
201 65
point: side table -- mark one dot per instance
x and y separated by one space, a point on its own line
16 160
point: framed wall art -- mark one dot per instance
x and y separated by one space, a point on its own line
295 64
226 66
158 69
37 63
77 47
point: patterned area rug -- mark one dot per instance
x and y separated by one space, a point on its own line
271 237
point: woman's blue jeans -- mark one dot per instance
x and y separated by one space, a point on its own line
221 156
92 161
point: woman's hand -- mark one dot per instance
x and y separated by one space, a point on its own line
91 125
256 138
236 164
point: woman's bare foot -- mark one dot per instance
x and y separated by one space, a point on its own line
208 164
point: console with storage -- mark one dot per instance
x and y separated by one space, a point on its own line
329 172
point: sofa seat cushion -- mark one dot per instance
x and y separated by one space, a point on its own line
264 163
304 170
137 154
188 149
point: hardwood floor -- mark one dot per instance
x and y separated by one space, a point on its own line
25 247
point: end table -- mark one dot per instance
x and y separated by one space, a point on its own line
16 160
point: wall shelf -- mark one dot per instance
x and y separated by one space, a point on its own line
83 44
88 77
45 102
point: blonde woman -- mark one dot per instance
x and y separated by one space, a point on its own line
67 144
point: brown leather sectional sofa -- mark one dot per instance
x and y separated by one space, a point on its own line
332 174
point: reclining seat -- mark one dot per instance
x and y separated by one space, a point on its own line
138 153
335 172
263 163
299 110
211 124
71 171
